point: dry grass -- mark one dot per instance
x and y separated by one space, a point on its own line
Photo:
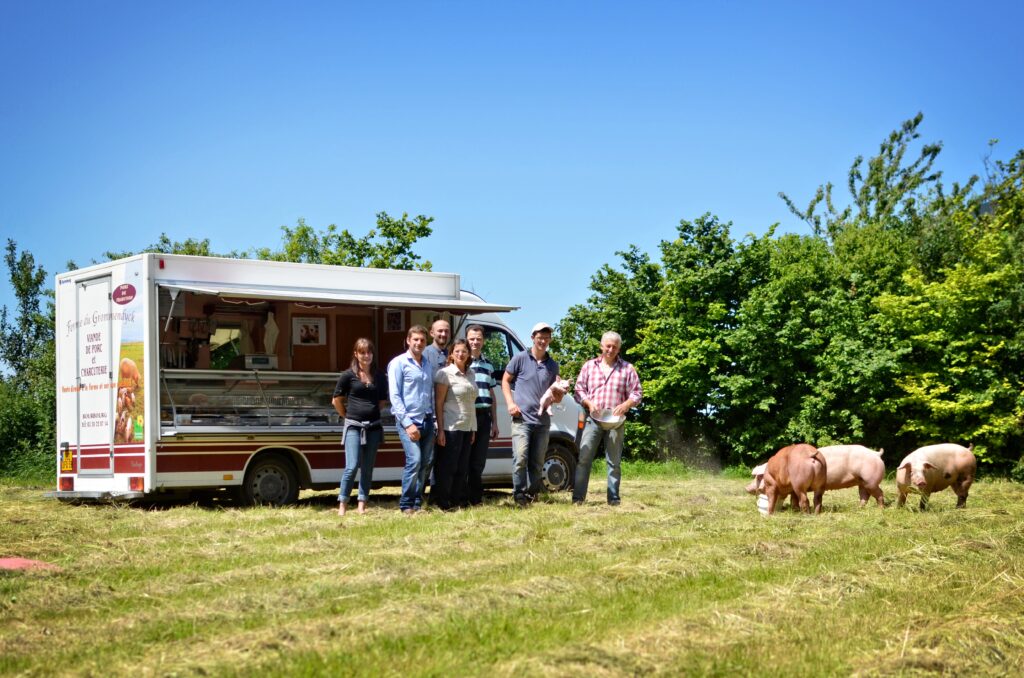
684 577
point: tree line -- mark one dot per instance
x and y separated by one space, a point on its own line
896 322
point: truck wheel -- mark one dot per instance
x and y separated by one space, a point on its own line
272 480
559 468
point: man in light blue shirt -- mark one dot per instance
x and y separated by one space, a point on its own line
411 389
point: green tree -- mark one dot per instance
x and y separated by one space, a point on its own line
388 245
622 300
164 245
681 355
27 374
960 325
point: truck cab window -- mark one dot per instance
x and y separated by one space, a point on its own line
499 347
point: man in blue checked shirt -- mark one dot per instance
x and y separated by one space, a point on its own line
411 389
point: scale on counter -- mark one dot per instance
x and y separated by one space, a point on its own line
260 361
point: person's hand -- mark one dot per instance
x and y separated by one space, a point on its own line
514 410
621 409
494 430
413 431
440 437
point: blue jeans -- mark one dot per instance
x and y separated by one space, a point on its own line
529 447
591 440
419 456
359 458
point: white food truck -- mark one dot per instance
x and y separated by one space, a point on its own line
179 373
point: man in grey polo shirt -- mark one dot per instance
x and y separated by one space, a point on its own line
527 376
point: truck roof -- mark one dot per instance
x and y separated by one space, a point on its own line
259 279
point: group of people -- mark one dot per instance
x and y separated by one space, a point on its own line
442 399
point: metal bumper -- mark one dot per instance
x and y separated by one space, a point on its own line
94 496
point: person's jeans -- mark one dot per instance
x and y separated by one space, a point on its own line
360 458
529 447
450 469
419 456
478 459
591 440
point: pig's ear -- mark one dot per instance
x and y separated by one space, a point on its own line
905 465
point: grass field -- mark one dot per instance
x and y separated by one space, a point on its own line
684 578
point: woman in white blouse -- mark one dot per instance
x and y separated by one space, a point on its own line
455 394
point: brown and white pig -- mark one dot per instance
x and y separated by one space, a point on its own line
850 465
935 467
795 470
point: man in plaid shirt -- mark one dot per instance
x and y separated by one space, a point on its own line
606 382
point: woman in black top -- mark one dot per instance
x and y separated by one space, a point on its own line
361 392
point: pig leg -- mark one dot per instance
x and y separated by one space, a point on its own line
961 487
794 502
902 498
818 494
863 495
804 504
924 502
876 492
772 498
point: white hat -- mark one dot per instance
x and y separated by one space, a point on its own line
540 327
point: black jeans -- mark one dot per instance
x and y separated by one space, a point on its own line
478 459
451 464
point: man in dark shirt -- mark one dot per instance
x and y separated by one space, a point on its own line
527 376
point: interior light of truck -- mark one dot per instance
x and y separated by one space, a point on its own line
67 483
136 483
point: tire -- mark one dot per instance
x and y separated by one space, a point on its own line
271 480
559 468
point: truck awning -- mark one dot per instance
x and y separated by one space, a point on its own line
345 297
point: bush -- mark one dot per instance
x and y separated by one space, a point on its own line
27 449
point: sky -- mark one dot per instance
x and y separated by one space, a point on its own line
542 137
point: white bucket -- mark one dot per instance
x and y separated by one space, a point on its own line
762 504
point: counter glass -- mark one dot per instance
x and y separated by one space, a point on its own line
232 400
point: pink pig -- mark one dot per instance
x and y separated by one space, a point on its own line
934 468
850 465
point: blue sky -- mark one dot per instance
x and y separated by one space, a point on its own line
541 136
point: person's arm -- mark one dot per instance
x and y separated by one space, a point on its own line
635 393
339 405
396 391
340 396
494 415
506 390
582 392
440 392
